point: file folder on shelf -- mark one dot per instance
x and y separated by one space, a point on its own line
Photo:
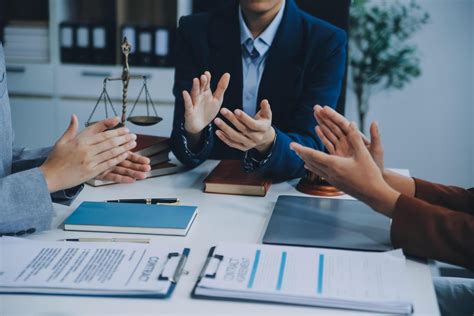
164 43
145 46
83 43
103 44
67 39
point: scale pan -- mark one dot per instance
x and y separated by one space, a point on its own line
144 120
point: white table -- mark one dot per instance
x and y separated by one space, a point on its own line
221 218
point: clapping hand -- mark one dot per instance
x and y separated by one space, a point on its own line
333 129
201 106
76 158
248 132
355 173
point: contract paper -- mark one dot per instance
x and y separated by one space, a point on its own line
313 276
83 268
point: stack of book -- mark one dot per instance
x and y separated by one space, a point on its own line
157 149
26 42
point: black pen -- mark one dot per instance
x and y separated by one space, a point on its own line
133 240
147 201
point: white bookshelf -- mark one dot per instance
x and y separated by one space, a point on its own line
43 96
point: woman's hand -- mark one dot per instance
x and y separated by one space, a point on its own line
333 129
356 174
76 158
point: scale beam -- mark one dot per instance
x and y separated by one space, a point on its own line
125 78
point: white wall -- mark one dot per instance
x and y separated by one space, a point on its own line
428 127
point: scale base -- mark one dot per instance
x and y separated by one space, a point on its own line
315 185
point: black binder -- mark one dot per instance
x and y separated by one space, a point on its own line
145 45
67 41
164 46
103 44
83 43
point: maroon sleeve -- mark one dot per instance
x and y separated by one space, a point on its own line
454 198
431 231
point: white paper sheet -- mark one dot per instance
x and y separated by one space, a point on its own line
105 266
307 273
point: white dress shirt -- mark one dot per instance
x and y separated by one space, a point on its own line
254 55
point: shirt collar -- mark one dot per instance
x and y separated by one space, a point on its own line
265 39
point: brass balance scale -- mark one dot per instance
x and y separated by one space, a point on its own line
104 98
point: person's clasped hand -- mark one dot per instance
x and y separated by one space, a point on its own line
202 106
248 132
76 158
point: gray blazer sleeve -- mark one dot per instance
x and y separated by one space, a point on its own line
24 159
25 202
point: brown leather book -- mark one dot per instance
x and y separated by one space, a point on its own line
229 178
148 145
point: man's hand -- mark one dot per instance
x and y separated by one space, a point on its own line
333 129
249 132
356 174
76 158
128 171
202 106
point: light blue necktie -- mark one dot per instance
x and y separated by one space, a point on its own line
251 80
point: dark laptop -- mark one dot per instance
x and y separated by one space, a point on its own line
328 223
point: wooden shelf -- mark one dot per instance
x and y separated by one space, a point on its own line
30 79
86 81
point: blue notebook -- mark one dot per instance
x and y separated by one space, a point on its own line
132 218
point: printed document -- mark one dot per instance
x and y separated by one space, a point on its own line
105 268
309 276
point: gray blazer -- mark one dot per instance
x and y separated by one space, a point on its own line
25 203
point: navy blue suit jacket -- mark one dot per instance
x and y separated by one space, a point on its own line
305 66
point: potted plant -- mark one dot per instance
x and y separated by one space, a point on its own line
381 56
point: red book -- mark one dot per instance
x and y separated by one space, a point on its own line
228 177
148 145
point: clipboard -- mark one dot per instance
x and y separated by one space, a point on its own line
176 274
212 265
211 255
202 274
166 275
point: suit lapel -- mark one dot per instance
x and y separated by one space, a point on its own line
283 64
226 55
